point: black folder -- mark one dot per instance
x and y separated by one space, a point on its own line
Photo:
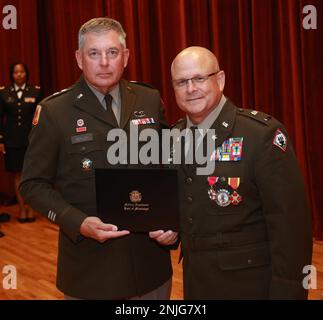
138 200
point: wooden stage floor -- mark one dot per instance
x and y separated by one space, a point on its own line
32 249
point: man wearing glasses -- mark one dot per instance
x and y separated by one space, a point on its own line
68 141
245 228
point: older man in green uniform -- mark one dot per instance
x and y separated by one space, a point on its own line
245 227
68 141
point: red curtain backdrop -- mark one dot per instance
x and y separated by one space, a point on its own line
271 62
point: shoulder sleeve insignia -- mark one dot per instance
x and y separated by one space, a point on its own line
36 115
280 140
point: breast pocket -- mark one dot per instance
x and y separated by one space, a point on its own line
83 158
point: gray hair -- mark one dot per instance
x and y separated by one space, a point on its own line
99 25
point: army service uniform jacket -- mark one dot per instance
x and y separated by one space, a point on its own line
67 144
246 229
16 115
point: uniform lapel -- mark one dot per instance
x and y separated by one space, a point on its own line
88 102
223 125
25 92
128 99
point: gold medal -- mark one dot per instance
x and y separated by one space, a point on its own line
235 198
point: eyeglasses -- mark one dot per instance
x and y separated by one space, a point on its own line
195 80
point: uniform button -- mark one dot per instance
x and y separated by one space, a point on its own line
19 124
19 110
19 103
249 261
83 148
189 180
190 199
190 220
19 117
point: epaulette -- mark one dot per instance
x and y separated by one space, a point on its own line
255 115
147 85
56 94
2 87
144 84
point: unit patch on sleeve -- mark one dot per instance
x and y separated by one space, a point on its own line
280 140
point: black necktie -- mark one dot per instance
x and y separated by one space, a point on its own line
108 102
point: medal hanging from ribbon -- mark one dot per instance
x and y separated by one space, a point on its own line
212 181
234 183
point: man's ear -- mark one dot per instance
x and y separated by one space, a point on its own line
78 56
221 80
126 57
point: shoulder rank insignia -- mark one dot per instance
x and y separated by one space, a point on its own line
256 115
280 140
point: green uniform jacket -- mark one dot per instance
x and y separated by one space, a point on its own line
16 114
59 182
256 248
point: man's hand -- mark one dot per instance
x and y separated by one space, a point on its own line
93 227
2 148
166 238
